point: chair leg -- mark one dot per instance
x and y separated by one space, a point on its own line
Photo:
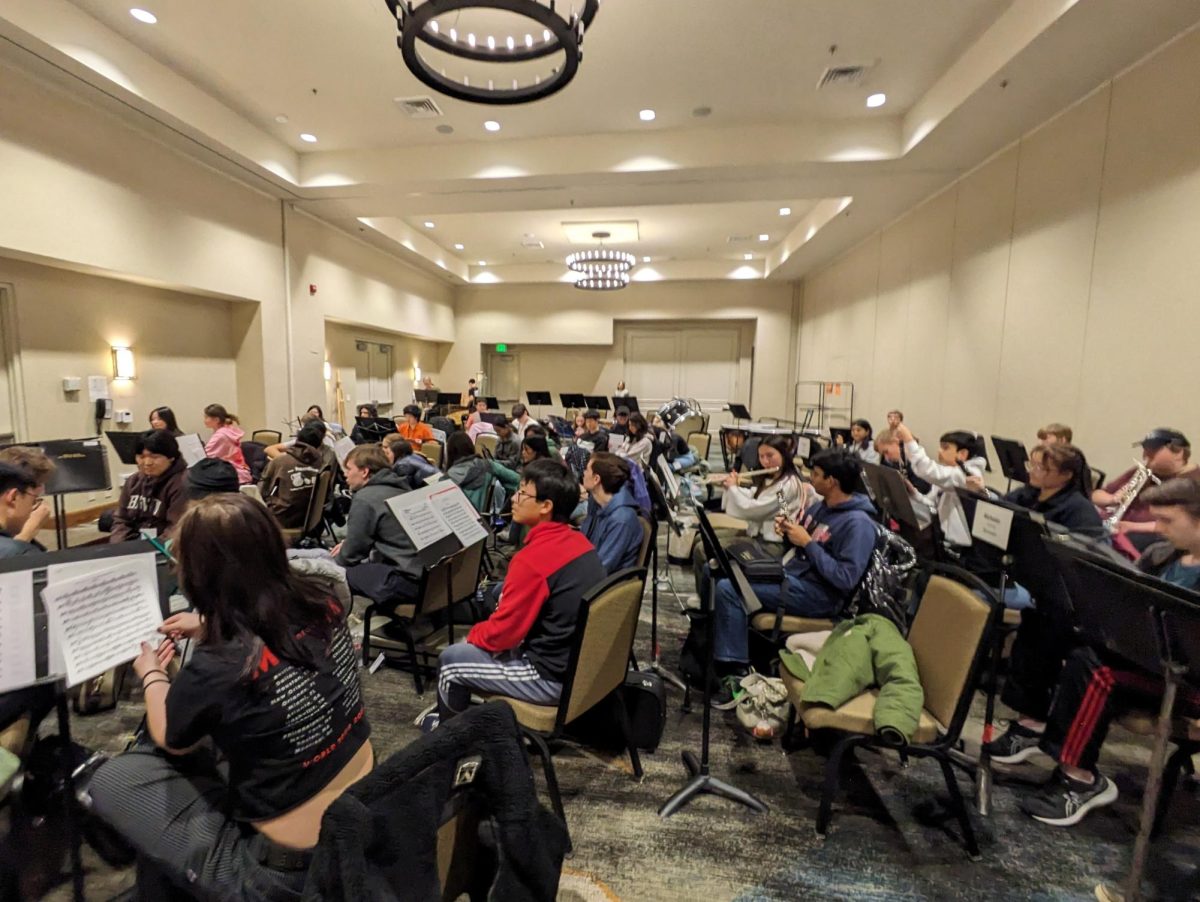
366 642
960 807
626 734
833 782
415 661
1175 765
543 751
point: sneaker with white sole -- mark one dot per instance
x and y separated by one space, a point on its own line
1064 802
1014 745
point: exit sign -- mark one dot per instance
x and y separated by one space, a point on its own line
501 349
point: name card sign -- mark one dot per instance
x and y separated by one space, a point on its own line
992 524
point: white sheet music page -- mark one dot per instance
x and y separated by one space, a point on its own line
191 449
17 663
342 447
460 515
99 616
423 524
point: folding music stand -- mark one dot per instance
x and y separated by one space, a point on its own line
835 431
492 418
538 399
629 401
572 399
449 399
658 499
125 444
376 427
597 402
1014 460
702 781
492 403
740 411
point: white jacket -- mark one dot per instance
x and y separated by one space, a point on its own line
760 513
636 451
945 479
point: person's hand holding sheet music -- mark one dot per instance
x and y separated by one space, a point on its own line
184 625
152 659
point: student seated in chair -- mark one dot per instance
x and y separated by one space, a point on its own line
612 523
380 559
594 435
153 498
960 455
637 444
920 493
288 481
413 468
474 474
829 551
272 687
521 420
478 409
508 448
522 649
324 447
412 430
620 424
226 439
1094 684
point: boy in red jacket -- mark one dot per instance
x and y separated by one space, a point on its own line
522 650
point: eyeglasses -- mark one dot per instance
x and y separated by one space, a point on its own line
521 493
1032 467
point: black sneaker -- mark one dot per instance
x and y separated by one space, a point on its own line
1064 802
727 696
1014 745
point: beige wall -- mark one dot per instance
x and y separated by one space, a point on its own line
184 346
344 359
1056 282
520 315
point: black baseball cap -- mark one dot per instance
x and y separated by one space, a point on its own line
1158 438
622 411
591 415
211 476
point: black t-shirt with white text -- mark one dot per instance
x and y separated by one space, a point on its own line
286 730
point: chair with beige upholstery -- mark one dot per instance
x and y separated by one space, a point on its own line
394 629
600 649
316 509
266 436
950 638
485 444
700 442
649 533
432 452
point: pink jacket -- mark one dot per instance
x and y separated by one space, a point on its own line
226 443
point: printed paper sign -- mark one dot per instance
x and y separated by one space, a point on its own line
992 524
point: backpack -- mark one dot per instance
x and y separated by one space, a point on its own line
885 585
637 485
645 699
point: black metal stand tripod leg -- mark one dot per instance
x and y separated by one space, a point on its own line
655 664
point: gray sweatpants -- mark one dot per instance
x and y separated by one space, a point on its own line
173 811
464 668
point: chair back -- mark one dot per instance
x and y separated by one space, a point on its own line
485 444
432 452
1098 477
700 442
693 422
604 632
266 436
648 530
316 501
949 638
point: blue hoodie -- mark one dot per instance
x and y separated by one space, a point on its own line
615 530
837 558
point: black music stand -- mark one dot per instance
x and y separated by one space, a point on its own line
572 399
125 444
492 403
835 431
702 781
1014 460
449 399
629 401
376 428
597 402
538 399
740 412
493 418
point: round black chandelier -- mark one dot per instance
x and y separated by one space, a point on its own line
551 27
602 268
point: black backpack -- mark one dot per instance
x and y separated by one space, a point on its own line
645 699
885 587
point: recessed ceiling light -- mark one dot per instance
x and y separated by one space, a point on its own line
876 100
764 237
483 263
307 138
445 129
701 111
747 256
785 211
143 15
428 224
492 125
645 259
281 119
646 115
458 247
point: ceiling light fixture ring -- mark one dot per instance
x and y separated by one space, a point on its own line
413 18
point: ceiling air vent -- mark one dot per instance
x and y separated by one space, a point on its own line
418 107
844 76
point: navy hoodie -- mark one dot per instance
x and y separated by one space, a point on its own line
615 530
837 557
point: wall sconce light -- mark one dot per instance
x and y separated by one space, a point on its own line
328 371
416 373
122 362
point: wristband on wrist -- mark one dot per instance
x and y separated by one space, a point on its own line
155 670
146 686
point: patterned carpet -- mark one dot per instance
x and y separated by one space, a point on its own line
887 841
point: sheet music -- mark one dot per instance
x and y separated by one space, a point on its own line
452 505
99 617
342 447
17 664
416 514
191 448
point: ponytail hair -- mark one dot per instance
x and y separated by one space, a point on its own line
218 412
